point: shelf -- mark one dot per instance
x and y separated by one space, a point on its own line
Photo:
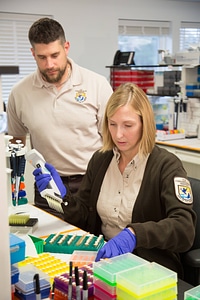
160 95
9 70
140 66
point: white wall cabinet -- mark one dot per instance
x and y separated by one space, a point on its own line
190 160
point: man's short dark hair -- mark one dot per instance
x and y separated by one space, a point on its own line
45 31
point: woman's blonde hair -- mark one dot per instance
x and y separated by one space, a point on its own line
130 93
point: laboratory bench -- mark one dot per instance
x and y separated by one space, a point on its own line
188 151
48 224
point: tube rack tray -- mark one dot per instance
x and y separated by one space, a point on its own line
59 243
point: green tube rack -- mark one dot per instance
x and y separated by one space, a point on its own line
68 243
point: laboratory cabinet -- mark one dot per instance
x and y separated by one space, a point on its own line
189 158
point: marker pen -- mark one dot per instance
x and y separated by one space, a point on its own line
70 288
78 291
85 286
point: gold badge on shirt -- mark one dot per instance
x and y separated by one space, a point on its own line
80 96
183 190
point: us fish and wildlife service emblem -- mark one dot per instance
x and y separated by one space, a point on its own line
80 96
183 190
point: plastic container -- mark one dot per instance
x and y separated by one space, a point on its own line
163 135
48 264
26 284
103 294
192 294
39 244
69 243
105 273
149 281
110 289
44 293
17 249
81 258
14 274
107 270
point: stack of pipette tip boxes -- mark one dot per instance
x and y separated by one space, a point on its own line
129 277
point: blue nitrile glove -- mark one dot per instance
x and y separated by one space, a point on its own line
42 180
122 243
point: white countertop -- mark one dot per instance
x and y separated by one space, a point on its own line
186 143
47 223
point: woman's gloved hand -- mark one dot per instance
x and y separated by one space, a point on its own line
42 180
122 243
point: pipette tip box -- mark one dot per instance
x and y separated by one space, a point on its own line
17 249
105 273
192 294
25 286
150 281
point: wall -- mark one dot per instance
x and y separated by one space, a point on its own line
92 26
5 273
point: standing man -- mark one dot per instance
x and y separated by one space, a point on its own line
61 106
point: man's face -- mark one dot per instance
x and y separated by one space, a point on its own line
51 60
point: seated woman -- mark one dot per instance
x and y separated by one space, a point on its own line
134 193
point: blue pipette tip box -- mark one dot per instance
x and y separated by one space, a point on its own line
17 249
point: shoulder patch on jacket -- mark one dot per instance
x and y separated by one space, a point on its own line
183 190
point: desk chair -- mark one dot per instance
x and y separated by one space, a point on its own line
191 259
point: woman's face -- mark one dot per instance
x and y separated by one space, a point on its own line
125 127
